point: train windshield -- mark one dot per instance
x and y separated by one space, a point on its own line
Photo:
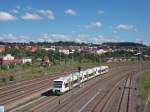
58 84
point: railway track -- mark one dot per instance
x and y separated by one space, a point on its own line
123 102
120 100
44 102
12 86
100 106
66 106
18 92
102 99
39 105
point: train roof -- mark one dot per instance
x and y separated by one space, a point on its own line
75 75
69 77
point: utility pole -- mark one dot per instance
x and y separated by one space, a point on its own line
72 92
79 69
141 57
100 62
60 57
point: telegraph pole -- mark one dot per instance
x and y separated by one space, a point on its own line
60 57
141 57
72 91
100 62
79 69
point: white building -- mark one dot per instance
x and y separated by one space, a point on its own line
101 51
65 51
26 60
8 57
49 49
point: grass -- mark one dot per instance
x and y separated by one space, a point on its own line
119 63
35 70
144 86
21 72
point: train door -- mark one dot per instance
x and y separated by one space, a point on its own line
79 80
70 85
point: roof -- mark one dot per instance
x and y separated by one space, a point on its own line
69 77
76 74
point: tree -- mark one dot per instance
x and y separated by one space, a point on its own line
11 66
11 78
4 79
4 67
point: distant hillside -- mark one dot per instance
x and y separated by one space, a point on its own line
59 43
125 44
72 43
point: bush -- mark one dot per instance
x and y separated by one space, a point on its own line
28 63
3 79
12 65
11 78
4 67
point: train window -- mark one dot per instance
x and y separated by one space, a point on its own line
86 76
101 71
58 84
75 81
66 85
91 74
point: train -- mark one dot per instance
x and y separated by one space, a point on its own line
66 83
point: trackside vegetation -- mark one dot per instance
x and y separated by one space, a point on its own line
144 87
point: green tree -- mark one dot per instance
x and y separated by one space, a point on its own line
4 67
3 79
12 65
11 78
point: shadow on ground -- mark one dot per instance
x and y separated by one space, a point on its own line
48 93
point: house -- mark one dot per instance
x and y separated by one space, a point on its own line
46 61
49 49
65 51
2 48
71 51
26 60
32 48
100 51
9 59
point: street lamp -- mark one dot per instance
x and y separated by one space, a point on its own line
60 57
53 58
139 60
100 62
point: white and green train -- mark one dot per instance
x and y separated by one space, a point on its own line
66 83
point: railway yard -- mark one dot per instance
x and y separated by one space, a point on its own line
115 91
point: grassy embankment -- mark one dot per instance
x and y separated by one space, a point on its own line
35 70
144 86
21 72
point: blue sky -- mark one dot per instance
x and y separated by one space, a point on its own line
93 21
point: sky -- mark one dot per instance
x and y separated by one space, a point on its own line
90 21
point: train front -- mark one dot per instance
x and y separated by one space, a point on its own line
58 86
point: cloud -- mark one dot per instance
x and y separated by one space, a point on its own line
15 11
47 13
98 39
31 16
13 38
100 12
115 32
125 27
97 24
70 12
5 16
18 7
